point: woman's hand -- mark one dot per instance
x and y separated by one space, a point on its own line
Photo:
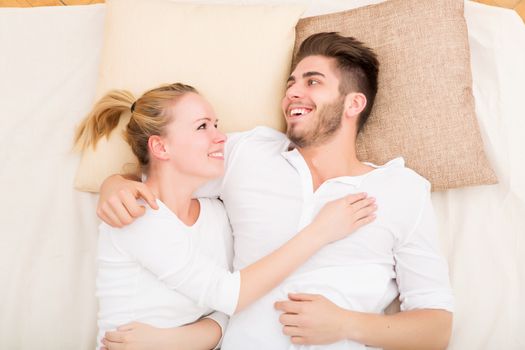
136 336
340 217
117 205
203 334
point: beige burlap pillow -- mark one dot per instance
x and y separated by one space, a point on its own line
238 57
424 109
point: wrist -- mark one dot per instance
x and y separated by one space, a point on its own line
314 233
352 326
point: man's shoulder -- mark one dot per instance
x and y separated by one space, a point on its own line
268 133
403 177
259 133
259 140
212 207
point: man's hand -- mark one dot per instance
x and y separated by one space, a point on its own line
117 205
312 319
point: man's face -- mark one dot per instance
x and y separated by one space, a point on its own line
312 105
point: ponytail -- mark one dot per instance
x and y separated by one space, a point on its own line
103 118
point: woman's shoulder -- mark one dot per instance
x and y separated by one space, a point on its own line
212 205
152 221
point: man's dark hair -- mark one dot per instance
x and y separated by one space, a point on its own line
357 64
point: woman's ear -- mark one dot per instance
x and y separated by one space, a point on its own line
157 147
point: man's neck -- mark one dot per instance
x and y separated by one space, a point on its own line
335 158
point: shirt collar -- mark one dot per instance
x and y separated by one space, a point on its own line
294 157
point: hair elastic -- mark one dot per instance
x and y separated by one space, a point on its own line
133 107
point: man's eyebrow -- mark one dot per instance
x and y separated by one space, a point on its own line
311 74
291 78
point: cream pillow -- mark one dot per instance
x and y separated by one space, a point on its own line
238 57
424 110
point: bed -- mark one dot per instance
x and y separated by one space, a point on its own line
50 68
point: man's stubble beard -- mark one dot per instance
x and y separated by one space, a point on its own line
328 121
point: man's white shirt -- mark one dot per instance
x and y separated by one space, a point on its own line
268 193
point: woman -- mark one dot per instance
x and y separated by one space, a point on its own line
170 267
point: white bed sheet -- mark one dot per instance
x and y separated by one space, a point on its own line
48 231
483 228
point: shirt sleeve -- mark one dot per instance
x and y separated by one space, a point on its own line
222 320
421 270
171 255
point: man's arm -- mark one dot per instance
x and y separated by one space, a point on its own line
117 204
313 319
201 335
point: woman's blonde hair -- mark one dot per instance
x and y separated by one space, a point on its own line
149 116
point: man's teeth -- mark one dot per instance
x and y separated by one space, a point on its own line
299 111
217 154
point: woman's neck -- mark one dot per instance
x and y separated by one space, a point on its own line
176 190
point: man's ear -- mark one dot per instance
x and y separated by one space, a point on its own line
157 147
355 103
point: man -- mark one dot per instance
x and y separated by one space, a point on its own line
274 185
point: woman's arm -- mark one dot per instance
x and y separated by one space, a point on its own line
335 221
201 335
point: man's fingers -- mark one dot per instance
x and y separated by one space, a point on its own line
146 194
292 331
129 202
289 319
119 210
298 340
292 307
102 216
108 215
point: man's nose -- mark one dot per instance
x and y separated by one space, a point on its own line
294 92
